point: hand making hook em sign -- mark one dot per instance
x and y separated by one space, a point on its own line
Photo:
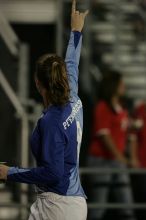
77 18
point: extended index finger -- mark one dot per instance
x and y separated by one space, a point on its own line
73 6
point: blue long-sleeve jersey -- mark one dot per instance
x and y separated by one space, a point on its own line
56 140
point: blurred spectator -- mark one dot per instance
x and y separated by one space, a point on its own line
143 4
140 127
139 156
99 10
138 24
108 146
139 28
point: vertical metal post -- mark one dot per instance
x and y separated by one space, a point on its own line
24 163
23 94
23 74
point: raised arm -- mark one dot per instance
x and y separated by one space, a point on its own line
74 47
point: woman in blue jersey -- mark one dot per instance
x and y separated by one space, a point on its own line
56 139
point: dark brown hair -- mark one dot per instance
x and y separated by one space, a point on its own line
109 85
52 74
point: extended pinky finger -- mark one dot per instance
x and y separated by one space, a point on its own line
86 13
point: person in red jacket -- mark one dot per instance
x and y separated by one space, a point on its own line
140 132
139 155
108 145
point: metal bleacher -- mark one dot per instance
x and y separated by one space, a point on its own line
111 36
127 51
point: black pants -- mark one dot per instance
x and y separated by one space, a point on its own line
139 189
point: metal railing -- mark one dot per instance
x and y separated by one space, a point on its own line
8 35
91 171
24 127
94 170
103 171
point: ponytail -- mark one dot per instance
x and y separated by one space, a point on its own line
51 72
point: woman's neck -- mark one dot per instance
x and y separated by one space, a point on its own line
115 101
116 104
46 101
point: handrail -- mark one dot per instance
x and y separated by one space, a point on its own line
90 205
116 206
11 94
8 35
96 170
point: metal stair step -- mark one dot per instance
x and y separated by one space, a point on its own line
123 59
9 213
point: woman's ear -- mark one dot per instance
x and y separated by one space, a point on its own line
38 86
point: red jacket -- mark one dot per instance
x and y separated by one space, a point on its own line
113 123
140 113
